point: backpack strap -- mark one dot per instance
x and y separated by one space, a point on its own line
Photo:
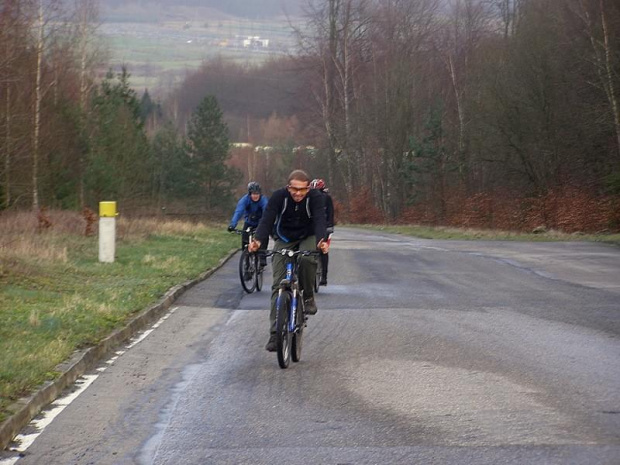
279 221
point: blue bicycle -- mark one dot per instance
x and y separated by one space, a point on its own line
291 316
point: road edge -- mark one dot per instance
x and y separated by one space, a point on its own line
29 407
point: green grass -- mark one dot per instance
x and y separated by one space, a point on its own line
440 232
51 307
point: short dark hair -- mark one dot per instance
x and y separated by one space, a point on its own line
299 175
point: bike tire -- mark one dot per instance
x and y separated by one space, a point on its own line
247 270
259 274
297 339
283 335
317 276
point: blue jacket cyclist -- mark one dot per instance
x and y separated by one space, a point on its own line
251 207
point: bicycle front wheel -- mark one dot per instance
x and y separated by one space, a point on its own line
283 335
247 271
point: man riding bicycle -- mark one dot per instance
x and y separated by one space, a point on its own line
296 216
251 206
319 184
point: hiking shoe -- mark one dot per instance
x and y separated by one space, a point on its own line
323 282
271 343
310 306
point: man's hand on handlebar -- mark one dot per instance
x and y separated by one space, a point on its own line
254 246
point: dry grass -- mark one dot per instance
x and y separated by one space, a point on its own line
140 228
21 237
32 248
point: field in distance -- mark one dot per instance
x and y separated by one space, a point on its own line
158 54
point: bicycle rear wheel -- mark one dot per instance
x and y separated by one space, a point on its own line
283 336
317 276
247 271
259 273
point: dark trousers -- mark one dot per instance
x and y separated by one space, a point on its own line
324 262
307 271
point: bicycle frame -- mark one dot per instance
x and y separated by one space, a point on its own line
292 285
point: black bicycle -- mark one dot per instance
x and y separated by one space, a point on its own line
291 316
319 269
250 270
317 276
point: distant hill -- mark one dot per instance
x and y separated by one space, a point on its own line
153 10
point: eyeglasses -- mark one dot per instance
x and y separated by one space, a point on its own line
298 189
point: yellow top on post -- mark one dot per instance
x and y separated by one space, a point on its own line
107 209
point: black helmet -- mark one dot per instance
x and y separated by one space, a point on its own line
253 187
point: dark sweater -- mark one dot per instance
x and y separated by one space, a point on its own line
292 221
329 210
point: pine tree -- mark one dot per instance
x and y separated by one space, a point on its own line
118 162
208 147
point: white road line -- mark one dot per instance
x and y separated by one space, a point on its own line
46 417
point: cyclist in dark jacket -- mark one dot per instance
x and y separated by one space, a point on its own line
319 185
296 216
251 207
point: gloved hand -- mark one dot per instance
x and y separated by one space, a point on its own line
231 228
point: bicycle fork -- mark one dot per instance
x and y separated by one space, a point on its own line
292 321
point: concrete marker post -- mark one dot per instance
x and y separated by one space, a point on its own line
107 231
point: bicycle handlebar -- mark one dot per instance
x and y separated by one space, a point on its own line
241 231
292 253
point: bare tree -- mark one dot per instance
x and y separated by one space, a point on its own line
320 46
335 42
11 28
469 21
43 29
402 73
605 53
509 13
86 21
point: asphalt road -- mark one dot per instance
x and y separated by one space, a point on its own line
422 351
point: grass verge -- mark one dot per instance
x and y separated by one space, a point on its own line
55 296
441 232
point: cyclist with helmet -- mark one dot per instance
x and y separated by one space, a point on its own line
251 207
319 185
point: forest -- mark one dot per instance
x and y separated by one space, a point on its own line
475 113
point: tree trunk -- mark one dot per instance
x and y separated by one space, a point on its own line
8 148
37 113
609 74
334 6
